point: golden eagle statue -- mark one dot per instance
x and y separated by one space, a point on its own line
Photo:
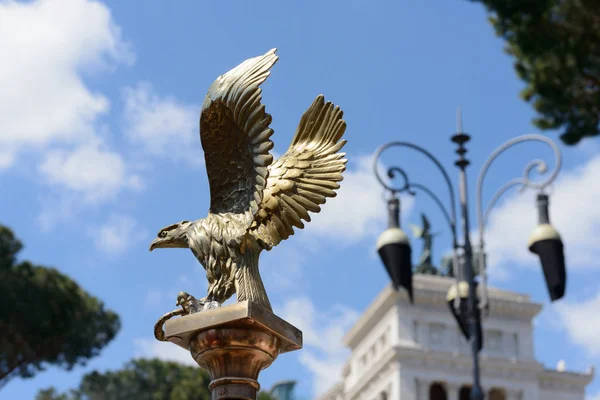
255 203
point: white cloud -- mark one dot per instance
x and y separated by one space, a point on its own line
163 126
581 323
573 212
283 279
119 233
359 209
89 170
82 176
44 99
324 354
150 348
47 107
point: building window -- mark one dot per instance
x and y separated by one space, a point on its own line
493 341
437 391
416 331
384 338
436 334
465 393
497 394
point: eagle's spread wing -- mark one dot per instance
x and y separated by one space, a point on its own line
304 176
234 131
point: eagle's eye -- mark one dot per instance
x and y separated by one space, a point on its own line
162 234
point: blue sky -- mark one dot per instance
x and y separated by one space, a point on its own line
99 149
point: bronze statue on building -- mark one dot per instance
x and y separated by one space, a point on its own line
425 266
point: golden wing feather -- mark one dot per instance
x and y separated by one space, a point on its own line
234 131
304 177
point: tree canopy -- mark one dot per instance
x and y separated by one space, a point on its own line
148 379
45 317
556 46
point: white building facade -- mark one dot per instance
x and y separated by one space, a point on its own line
416 352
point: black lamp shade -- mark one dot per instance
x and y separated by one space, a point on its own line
393 247
552 257
545 241
397 260
461 315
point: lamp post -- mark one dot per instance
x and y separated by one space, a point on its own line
394 247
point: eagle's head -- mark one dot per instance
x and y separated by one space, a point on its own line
172 236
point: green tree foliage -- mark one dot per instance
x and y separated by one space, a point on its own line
556 44
45 317
52 394
265 396
142 379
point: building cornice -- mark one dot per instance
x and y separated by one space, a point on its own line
554 379
430 291
457 363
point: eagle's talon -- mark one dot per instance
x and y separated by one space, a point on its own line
189 303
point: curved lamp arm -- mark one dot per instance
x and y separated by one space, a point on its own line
408 186
523 182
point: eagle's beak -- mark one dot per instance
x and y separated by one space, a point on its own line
167 243
158 242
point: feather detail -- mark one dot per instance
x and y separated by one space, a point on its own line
304 177
234 131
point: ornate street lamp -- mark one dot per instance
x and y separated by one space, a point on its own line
466 307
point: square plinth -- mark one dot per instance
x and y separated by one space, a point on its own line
245 314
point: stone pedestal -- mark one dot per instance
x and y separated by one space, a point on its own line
234 343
